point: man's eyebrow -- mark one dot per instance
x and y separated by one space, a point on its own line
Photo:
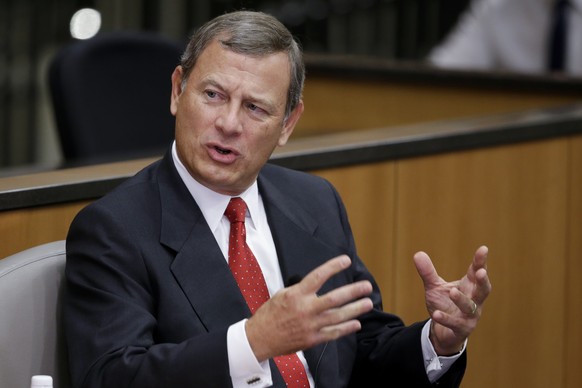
263 102
212 82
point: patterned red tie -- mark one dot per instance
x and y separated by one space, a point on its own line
250 280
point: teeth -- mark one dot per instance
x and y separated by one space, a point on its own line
222 151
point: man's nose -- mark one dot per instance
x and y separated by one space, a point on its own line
229 120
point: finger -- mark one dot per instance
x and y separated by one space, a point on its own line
464 302
461 326
479 259
483 286
343 296
425 269
330 333
313 281
345 313
341 321
477 274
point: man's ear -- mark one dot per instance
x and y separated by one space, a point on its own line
290 123
177 77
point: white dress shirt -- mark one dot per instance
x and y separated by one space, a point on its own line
243 365
509 35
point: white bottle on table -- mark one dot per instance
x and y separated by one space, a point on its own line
41 381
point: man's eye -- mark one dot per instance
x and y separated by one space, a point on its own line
255 108
211 94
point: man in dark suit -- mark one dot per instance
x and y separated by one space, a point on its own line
151 299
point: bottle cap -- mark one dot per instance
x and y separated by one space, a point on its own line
41 381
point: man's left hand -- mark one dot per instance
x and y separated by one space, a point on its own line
455 307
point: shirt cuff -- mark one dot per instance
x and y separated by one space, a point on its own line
245 370
435 365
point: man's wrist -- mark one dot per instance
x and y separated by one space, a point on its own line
444 351
436 365
243 367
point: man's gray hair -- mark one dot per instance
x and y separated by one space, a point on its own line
254 34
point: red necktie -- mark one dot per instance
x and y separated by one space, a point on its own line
250 280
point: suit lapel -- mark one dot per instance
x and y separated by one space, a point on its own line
203 274
294 232
199 266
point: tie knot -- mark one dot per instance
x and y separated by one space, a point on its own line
236 210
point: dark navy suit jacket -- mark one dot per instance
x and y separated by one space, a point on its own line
150 296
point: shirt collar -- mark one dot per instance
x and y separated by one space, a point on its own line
211 203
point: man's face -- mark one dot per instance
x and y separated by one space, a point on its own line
230 116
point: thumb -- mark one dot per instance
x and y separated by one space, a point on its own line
425 269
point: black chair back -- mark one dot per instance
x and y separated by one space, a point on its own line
111 96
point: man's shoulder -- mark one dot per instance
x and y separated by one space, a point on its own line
284 174
294 184
293 180
132 192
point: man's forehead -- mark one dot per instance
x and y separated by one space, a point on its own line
261 79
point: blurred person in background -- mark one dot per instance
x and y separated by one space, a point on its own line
526 36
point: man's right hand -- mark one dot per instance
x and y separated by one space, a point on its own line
296 318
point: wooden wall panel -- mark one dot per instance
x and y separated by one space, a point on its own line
25 228
573 281
337 104
367 191
514 200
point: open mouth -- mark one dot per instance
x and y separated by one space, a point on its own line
222 151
